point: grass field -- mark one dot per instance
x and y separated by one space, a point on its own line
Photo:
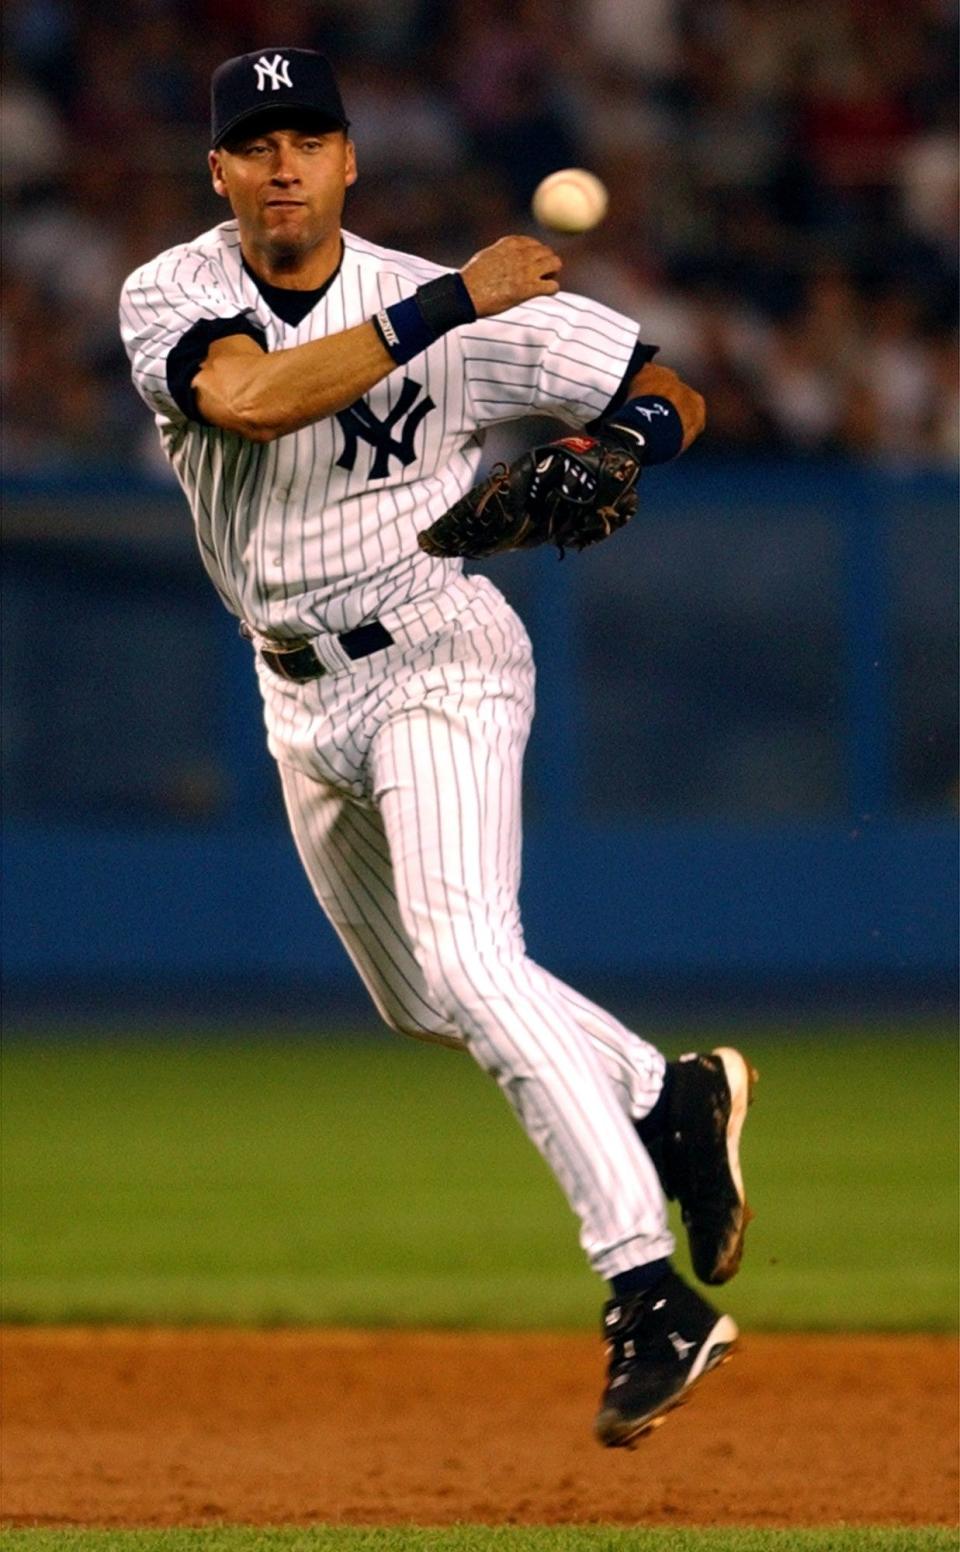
387 1182
483 1539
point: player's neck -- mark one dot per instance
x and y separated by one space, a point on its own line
294 271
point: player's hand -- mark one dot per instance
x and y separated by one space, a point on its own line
510 271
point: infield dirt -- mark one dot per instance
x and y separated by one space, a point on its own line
127 1427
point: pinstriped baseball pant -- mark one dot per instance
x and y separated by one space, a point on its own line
403 795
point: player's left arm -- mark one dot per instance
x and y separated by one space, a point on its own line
582 362
578 489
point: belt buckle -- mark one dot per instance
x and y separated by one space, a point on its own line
297 662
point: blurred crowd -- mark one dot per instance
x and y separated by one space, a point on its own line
783 176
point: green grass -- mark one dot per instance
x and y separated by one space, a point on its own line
470 1538
388 1182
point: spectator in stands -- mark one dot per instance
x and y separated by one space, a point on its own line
784 177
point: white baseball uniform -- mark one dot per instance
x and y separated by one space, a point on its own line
401 769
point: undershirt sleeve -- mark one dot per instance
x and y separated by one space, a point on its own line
189 354
641 355
170 312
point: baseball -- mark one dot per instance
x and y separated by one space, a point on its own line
572 200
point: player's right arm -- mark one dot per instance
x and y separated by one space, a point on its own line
266 394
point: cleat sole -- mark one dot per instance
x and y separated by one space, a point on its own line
741 1081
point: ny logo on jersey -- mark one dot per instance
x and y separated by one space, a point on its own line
275 70
359 421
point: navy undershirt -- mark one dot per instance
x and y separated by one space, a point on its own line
289 304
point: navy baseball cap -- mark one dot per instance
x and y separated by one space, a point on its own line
273 81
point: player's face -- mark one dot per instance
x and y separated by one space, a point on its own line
286 188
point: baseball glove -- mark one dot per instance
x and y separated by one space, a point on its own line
571 493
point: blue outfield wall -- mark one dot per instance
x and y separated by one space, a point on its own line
742 769
695 902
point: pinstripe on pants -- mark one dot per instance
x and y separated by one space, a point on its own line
403 792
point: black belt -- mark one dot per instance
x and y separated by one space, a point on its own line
299 661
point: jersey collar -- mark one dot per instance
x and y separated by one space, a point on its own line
291 306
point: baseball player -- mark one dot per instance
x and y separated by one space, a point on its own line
323 400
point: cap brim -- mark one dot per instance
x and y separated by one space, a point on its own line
290 108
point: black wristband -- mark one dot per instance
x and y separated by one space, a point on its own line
418 321
445 303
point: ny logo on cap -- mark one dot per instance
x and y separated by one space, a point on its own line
276 71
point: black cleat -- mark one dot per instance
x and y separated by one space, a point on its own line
660 1344
693 1138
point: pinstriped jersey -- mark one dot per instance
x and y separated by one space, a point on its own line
317 530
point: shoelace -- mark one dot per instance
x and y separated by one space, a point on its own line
625 1349
640 1337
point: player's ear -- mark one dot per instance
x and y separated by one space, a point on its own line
349 163
216 173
